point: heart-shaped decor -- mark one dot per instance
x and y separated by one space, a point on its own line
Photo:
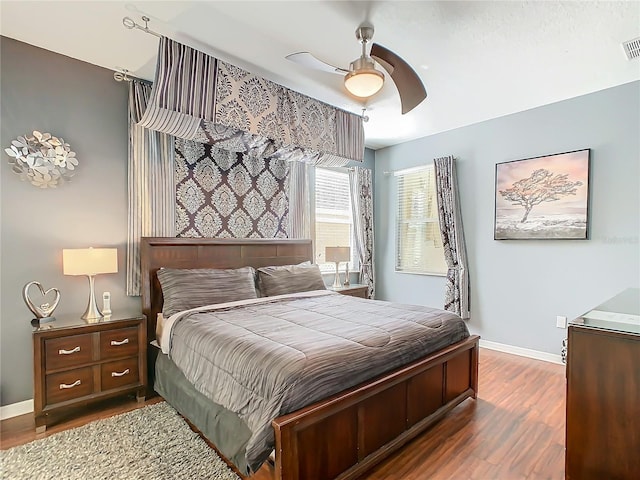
45 309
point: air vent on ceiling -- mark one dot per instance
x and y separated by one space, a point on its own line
632 48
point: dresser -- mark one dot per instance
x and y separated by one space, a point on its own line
603 391
78 362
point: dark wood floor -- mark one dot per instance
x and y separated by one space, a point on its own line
513 431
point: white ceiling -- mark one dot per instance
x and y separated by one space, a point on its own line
478 60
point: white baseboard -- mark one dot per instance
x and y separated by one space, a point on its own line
15 409
523 352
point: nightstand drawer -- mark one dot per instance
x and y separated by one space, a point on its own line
119 343
355 292
67 352
68 385
120 373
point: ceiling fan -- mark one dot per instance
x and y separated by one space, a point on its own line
363 80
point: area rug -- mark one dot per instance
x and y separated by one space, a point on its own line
151 443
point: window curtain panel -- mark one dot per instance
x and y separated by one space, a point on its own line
226 194
457 298
299 208
151 209
198 97
361 189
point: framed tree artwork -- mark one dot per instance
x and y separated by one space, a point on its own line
543 198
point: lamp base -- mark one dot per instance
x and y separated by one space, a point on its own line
92 312
336 281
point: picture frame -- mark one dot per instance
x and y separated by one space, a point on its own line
543 198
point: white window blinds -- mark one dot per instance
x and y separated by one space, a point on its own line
333 221
418 241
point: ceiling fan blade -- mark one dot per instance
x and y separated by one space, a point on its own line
307 60
410 87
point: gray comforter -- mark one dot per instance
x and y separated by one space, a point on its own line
270 358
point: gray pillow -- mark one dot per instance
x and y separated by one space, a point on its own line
183 289
289 279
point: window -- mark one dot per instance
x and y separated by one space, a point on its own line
333 223
418 241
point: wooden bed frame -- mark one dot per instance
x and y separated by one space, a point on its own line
350 432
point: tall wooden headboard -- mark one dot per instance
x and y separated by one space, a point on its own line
170 252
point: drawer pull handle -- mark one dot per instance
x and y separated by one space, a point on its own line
74 384
116 343
68 352
120 374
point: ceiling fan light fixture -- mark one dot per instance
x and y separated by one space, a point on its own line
363 79
364 83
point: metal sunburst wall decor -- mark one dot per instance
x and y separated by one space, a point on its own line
42 159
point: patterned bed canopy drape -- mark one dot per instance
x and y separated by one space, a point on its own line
361 188
299 208
222 194
151 186
457 294
198 97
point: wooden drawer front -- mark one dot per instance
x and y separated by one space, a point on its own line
68 385
68 351
120 374
356 292
119 343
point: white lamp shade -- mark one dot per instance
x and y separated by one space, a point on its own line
337 254
364 83
89 261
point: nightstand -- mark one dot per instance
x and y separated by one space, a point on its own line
353 290
76 363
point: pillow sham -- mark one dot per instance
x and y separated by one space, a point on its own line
289 279
187 288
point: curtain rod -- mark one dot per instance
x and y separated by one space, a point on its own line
122 75
129 23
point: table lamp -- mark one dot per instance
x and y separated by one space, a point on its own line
337 255
90 262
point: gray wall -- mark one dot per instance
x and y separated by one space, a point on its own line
518 287
82 103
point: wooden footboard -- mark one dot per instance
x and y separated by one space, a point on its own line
347 434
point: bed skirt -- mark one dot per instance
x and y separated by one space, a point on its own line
222 427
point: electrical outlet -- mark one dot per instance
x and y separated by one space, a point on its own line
561 322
